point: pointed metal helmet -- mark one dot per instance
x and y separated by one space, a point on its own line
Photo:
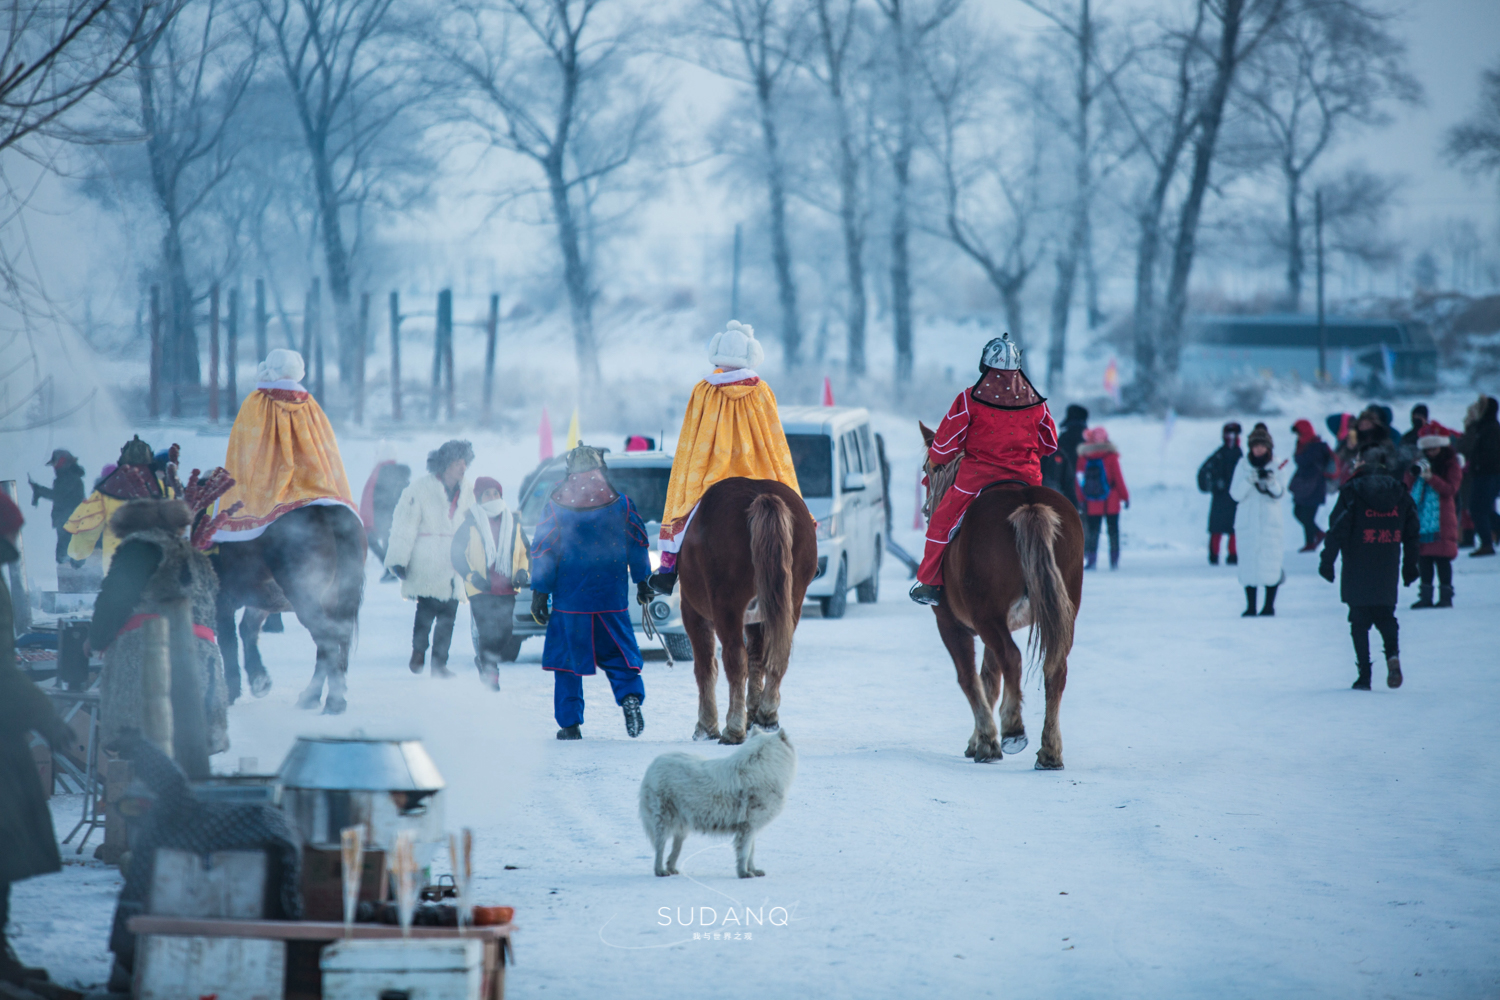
1001 353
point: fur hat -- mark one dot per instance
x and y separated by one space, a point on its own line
736 347
1260 434
143 515
583 458
448 453
1433 441
281 364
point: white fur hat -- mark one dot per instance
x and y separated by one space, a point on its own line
1433 441
281 364
736 347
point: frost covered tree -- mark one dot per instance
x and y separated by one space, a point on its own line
1475 142
1332 67
555 82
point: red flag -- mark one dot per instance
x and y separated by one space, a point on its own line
544 433
827 392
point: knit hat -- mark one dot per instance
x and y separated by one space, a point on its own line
1433 441
1304 431
281 364
736 347
1096 435
1076 414
486 483
1260 434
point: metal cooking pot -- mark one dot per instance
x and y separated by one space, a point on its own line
386 786
357 763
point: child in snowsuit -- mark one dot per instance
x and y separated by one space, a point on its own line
1374 524
1101 487
589 545
1213 478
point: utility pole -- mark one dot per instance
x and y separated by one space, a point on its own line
1322 326
734 288
396 356
492 333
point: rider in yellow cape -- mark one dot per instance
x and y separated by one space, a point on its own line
282 452
731 428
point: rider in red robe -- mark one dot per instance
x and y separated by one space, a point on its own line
1002 428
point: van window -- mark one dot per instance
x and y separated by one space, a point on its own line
812 455
867 448
645 485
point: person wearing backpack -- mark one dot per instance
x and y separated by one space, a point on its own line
1102 492
1213 477
1257 489
1433 483
1374 524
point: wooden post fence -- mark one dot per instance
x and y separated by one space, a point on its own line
491 335
153 404
396 356
442 355
213 354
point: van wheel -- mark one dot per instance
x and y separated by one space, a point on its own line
511 649
835 604
679 645
869 591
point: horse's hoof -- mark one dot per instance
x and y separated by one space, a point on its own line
700 734
1047 765
1013 744
732 739
260 685
310 700
335 705
969 751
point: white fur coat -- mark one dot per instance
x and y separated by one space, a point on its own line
1258 523
422 528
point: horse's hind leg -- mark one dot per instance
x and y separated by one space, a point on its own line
731 630
1012 729
228 648
255 668
1050 756
758 709
984 744
705 671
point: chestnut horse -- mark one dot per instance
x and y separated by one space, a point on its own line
751 539
1017 560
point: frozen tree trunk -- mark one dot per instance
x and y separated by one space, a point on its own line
835 34
575 271
1078 231
335 257
781 247
1295 263
901 216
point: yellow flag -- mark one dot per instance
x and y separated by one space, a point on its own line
573 430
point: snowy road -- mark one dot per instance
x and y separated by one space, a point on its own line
1233 821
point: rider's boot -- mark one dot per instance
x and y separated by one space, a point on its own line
927 593
663 582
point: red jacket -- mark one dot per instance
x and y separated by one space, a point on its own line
1446 487
997 443
1118 493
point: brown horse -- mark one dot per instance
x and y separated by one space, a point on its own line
751 539
1017 560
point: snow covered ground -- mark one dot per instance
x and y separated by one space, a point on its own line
1233 820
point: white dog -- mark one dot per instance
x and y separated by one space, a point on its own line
738 794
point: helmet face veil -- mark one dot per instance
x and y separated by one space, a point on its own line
1001 353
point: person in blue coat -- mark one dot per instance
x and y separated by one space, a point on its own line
588 546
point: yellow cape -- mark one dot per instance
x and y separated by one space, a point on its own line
282 455
90 521
728 430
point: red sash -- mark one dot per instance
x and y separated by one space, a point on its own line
136 621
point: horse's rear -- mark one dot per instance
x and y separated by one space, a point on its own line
1017 561
751 539
311 560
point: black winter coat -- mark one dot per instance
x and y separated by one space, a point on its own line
28 845
1374 524
1214 476
1059 469
66 493
1309 486
1481 442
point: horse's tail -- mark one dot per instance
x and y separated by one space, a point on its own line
771 555
1038 527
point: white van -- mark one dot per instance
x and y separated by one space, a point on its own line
839 467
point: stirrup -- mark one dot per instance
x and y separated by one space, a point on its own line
926 593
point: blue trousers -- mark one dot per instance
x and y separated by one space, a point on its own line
567 691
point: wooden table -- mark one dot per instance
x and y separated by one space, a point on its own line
314 935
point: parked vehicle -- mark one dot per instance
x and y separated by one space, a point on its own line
640 475
840 469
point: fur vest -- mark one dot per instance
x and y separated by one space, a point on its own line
184 573
422 530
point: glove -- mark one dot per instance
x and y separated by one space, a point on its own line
539 608
399 572
644 592
521 579
1408 574
1325 570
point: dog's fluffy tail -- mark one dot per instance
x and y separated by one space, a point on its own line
771 555
1037 529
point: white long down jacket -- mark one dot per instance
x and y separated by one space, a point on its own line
1258 527
422 530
